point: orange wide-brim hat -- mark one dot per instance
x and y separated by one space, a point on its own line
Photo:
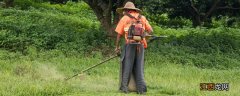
128 5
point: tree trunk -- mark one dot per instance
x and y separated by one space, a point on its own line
8 3
196 20
102 9
197 17
212 9
105 11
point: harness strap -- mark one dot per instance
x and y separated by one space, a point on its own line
139 16
137 21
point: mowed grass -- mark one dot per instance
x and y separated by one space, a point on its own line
44 75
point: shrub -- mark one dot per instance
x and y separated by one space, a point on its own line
46 30
213 40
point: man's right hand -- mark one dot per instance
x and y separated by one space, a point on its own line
117 51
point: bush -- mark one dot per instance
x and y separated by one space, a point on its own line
73 28
212 40
163 20
225 21
23 4
47 29
185 55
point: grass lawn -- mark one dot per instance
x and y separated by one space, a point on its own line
45 76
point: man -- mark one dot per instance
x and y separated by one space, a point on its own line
132 26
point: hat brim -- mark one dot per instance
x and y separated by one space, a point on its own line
120 10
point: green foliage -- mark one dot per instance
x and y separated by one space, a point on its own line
80 9
225 21
72 29
204 48
48 29
177 10
212 40
41 45
185 55
23 4
163 20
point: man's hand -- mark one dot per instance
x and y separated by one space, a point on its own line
117 51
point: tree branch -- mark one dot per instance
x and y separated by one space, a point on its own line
227 7
194 8
214 6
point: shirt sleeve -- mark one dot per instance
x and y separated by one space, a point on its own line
120 26
148 27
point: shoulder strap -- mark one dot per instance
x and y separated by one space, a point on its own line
139 16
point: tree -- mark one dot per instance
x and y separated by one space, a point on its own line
202 10
8 3
105 11
199 11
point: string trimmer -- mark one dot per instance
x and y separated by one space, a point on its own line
150 38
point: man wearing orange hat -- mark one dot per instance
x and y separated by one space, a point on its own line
132 26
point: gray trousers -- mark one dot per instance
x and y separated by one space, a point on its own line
132 64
